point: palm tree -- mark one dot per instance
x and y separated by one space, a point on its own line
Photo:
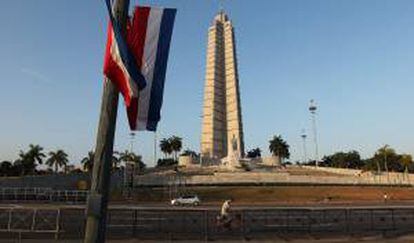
6 168
406 160
165 147
57 159
23 163
115 161
127 156
176 145
88 161
278 147
18 167
386 156
31 158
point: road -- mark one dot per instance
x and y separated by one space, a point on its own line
162 222
216 206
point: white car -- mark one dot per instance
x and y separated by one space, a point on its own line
186 200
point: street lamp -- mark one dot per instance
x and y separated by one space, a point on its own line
312 109
129 168
303 136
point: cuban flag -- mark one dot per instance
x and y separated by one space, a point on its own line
150 36
137 62
119 62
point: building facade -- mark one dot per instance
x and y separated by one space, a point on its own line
222 128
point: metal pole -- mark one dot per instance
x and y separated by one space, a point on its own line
98 198
305 156
131 145
386 163
312 109
315 140
129 174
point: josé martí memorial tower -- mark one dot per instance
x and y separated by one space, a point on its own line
222 128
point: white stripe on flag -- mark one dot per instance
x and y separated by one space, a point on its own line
148 65
116 56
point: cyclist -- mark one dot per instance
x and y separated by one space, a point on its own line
224 218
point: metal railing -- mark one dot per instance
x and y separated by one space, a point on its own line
42 194
201 224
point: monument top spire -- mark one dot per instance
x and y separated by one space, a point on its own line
221 8
221 16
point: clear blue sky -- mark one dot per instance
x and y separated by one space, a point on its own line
355 58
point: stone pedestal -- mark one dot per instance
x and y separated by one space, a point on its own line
272 161
232 161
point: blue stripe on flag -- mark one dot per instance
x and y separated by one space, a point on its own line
160 68
126 55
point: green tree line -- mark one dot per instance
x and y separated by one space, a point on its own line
28 161
384 159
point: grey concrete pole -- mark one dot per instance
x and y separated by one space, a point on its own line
98 198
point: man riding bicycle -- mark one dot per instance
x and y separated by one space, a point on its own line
224 219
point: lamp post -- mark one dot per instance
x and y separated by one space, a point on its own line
130 168
304 136
386 162
312 109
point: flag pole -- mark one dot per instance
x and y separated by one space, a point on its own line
98 197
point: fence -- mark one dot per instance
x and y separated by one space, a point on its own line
42 194
200 224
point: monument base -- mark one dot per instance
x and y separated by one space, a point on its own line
231 163
235 163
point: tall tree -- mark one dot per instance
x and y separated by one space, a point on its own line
128 156
350 159
176 145
279 147
6 168
30 159
165 147
406 161
388 159
57 159
88 161
18 167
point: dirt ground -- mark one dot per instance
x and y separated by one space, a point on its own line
281 195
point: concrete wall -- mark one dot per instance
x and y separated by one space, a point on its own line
58 182
341 171
274 177
187 160
384 177
271 161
